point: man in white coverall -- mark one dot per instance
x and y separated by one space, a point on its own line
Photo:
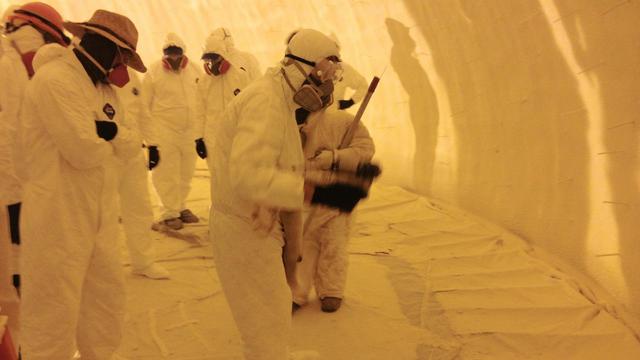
229 71
28 28
169 95
135 204
260 163
350 79
71 138
326 234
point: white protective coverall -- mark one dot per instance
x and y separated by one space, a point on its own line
135 204
14 79
258 163
169 105
325 257
73 291
350 79
215 92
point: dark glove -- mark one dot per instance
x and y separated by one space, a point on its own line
345 104
368 170
154 156
201 148
106 129
340 196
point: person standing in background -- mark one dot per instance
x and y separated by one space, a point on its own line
168 96
229 71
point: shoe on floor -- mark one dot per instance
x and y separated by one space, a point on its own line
295 307
153 271
174 224
188 217
330 304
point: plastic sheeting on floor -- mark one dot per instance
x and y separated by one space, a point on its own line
426 281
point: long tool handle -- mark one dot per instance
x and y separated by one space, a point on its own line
348 136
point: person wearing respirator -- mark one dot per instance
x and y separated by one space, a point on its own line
230 71
27 28
72 139
326 234
257 189
350 78
168 97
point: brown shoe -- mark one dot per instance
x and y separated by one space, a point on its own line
188 217
330 304
294 307
175 223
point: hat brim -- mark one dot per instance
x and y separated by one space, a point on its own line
79 29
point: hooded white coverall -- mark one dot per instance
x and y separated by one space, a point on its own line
169 105
215 92
13 81
73 291
350 79
258 164
325 258
135 204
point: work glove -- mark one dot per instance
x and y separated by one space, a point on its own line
154 156
322 161
106 129
345 104
368 170
201 148
339 196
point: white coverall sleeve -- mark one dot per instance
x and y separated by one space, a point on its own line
71 124
361 149
253 162
200 117
145 122
127 142
9 109
254 67
354 80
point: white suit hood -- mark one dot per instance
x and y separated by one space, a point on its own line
220 42
173 39
48 53
311 45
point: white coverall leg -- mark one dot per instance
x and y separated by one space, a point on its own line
98 292
172 177
325 259
238 250
136 212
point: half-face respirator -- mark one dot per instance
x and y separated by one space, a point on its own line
316 92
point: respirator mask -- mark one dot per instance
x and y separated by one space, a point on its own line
316 92
215 64
174 59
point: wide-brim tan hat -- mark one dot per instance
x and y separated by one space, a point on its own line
115 27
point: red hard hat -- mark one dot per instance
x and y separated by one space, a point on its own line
44 17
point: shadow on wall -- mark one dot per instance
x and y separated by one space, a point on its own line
614 61
519 121
422 103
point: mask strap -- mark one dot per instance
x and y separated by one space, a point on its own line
84 52
307 76
297 58
286 78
